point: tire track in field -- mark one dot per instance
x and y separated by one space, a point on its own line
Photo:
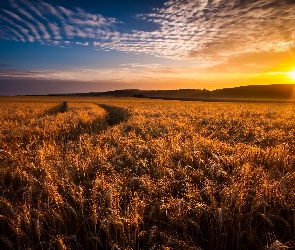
60 108
32 136
115 115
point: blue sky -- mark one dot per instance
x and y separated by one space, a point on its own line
83 46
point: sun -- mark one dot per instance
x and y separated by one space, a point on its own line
291 74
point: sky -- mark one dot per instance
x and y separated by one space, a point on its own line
55 46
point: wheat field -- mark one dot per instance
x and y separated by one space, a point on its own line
126 173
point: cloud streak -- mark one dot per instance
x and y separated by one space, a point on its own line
206 31
127 71
213 32
45 23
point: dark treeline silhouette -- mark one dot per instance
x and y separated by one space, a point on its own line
276 92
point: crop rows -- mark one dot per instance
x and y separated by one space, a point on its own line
149 175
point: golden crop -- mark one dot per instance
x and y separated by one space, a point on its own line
146 174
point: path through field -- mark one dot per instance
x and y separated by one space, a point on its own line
145 174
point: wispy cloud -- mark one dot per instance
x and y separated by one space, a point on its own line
16 36
83 44
131 75
209 31
28 25
44 22
15 73
127 72
18 30
213 30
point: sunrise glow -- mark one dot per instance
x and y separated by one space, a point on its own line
291 74
90 46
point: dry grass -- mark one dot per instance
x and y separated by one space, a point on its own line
147 175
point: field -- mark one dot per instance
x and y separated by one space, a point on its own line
119 173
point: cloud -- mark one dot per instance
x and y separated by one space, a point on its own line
16 73
214 32
15 34
26 14
134 75
83 44
16 29
56 42
129 71
44 22
27 24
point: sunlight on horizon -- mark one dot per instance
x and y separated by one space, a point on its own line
291 74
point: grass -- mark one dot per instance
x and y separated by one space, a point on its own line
141 174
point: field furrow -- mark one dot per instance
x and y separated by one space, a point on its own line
151 175
60 122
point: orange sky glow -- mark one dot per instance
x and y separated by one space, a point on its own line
165 44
